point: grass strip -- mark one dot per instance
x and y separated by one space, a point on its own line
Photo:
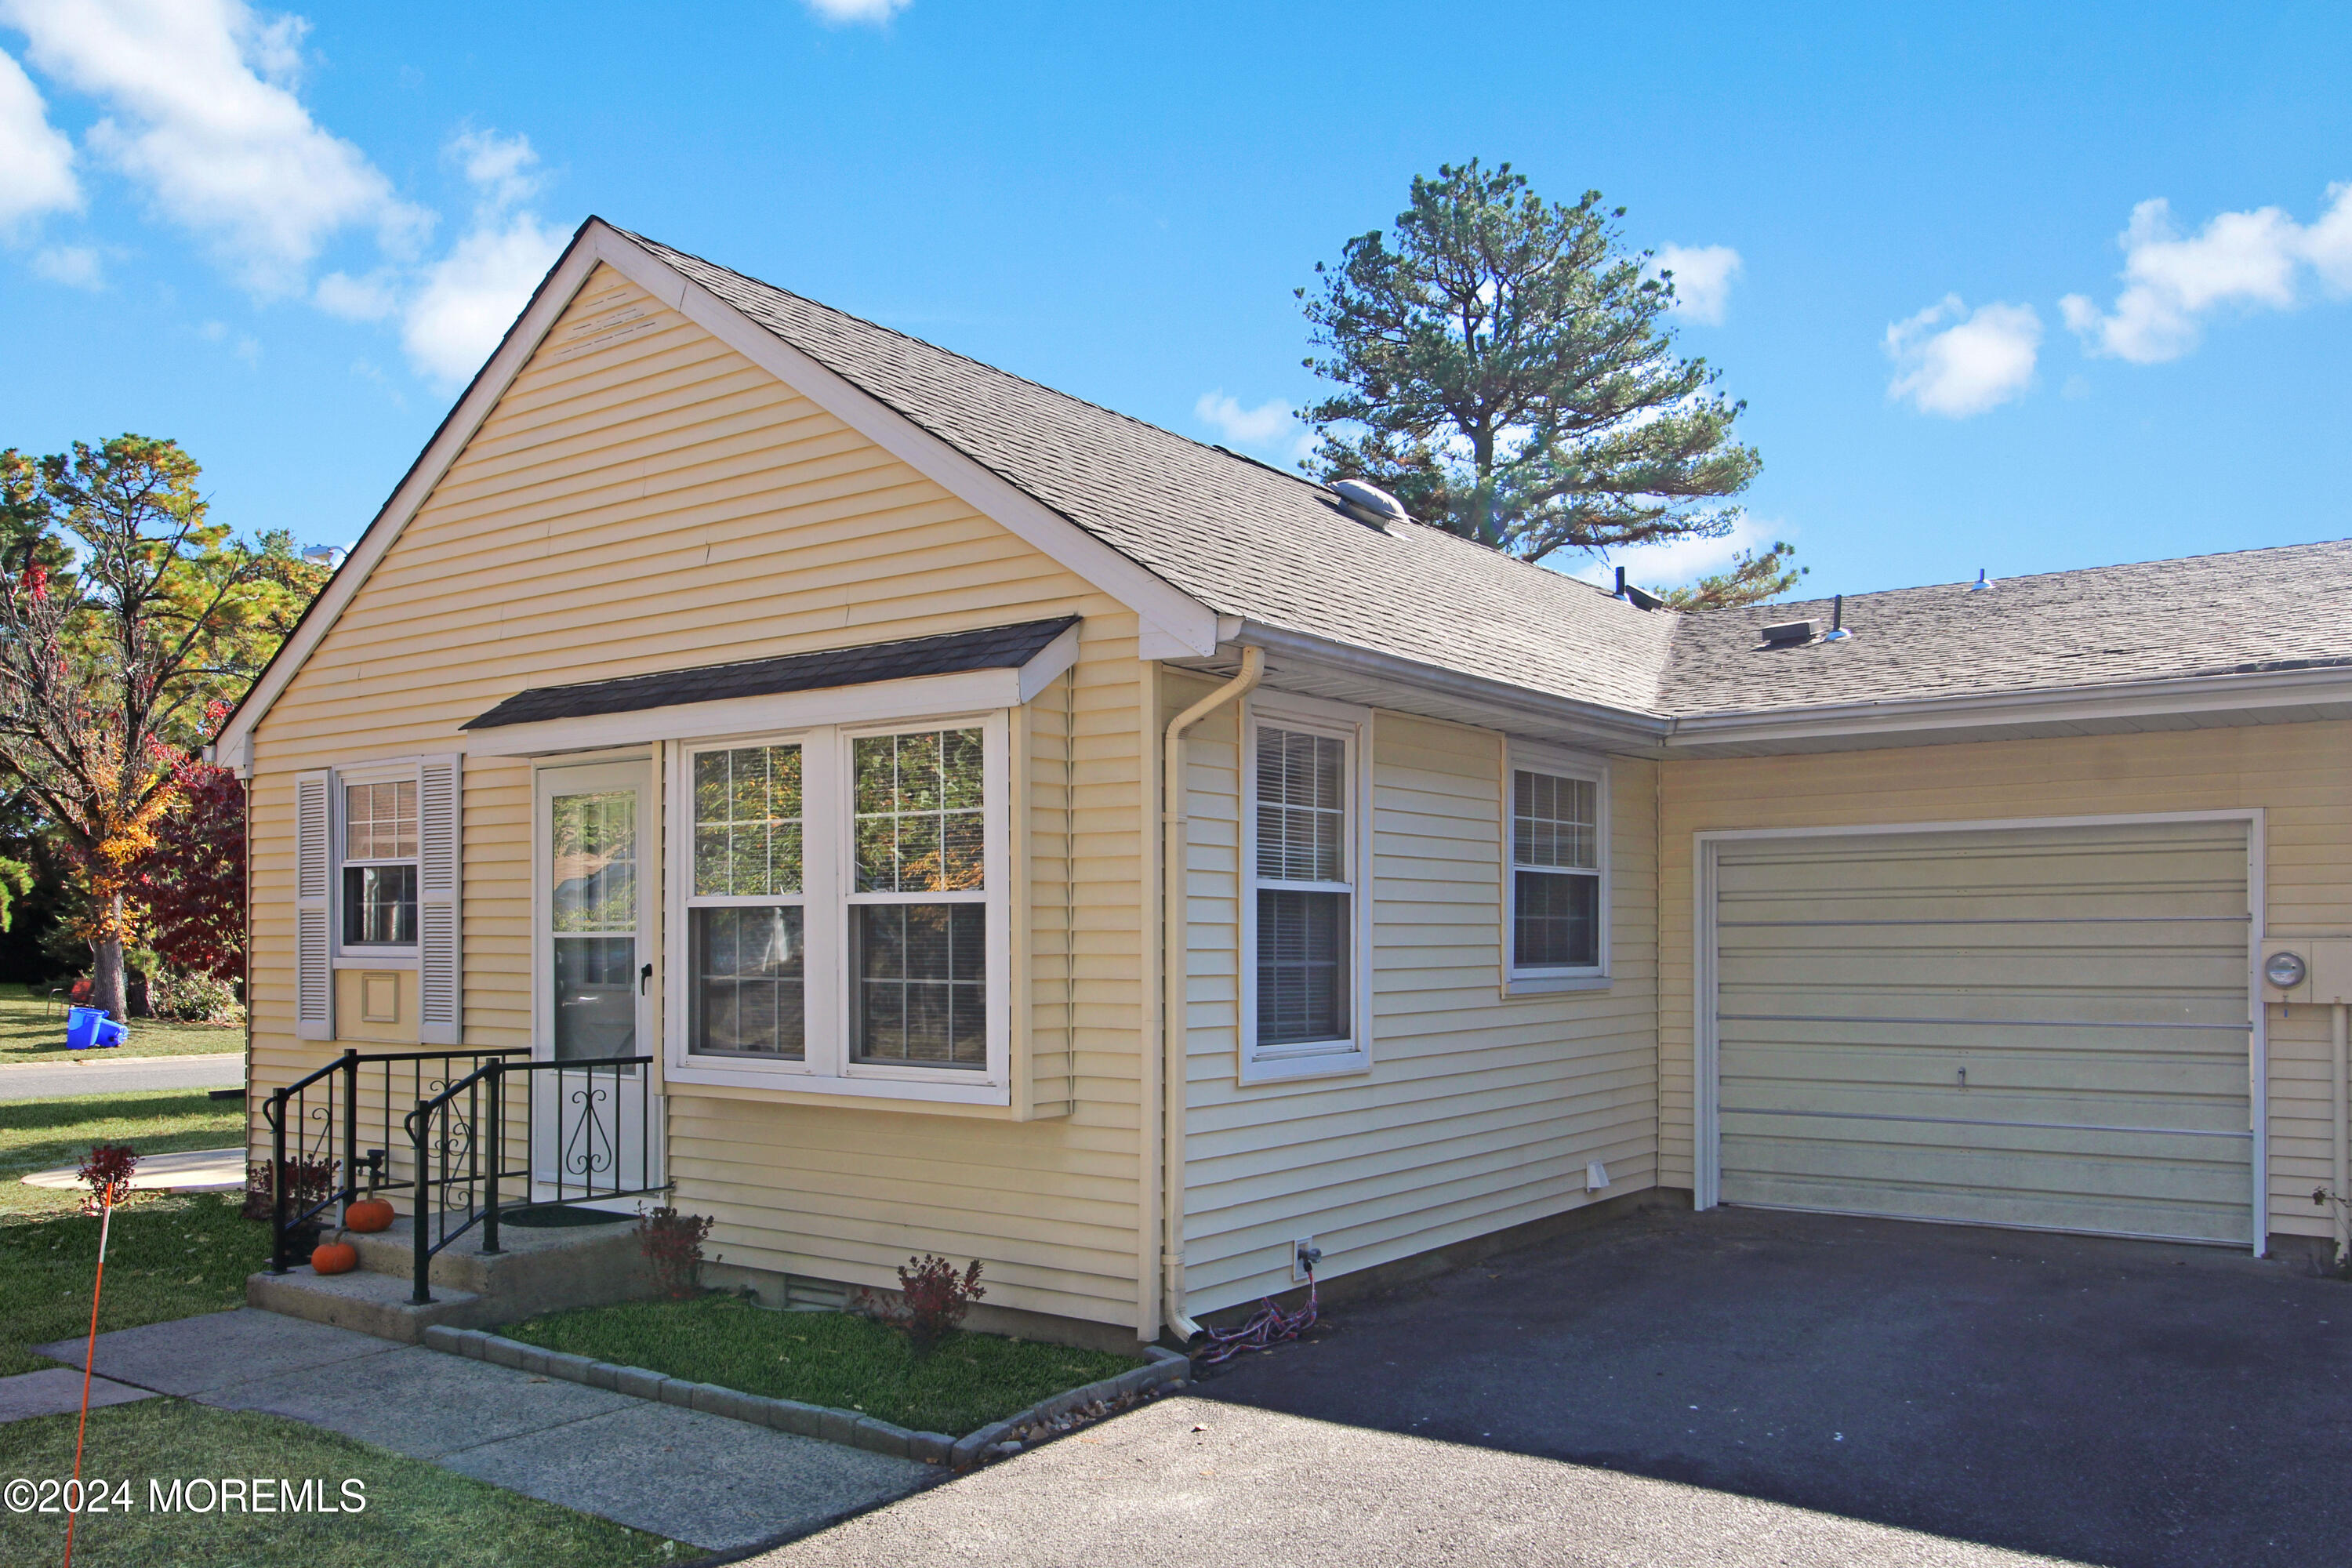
40 1134
169 1257
32 1029
825 1358
414 1511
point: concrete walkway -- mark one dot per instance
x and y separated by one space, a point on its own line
190 1171
714 1483
103 1073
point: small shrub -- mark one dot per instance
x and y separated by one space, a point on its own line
672 1243
932 1301
308 1181
81 994
107 1171
192 996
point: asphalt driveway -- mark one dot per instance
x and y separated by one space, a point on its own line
2105 1402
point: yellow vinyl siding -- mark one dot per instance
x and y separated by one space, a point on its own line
2294 773
1479 1112
645 499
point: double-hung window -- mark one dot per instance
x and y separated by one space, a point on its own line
1305 989
1558 873
379 865
844 907
746 936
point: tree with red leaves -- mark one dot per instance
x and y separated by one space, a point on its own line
191 884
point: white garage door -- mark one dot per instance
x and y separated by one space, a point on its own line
2030 1027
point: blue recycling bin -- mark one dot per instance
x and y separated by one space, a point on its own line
89 1028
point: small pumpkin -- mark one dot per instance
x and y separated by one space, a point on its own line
334 1257
367 1216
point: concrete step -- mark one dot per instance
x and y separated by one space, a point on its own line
535 1270
374 1304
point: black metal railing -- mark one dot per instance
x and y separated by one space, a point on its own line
587 1134
317 1125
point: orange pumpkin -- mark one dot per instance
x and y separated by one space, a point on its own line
334 1257
367 1216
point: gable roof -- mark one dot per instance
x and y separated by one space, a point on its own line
2246 613
1250 541
1208 546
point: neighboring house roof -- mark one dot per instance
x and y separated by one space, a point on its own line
1249 539
991 647
2247 613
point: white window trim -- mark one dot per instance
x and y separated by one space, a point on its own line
1534 981
827 853
369 956
1353 725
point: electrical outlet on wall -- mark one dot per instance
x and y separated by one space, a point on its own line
1305 1255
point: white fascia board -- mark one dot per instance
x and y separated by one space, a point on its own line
1184 625
522 340
2053 706
880 702
1174 623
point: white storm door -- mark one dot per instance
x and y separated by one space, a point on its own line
595 1125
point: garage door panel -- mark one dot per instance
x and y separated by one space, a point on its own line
2124 973
2090 981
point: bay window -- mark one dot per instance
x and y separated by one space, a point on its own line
843 907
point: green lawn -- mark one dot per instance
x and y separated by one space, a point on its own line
824 1358
32 1029
415 1513
168 1257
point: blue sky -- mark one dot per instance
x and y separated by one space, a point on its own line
1964 337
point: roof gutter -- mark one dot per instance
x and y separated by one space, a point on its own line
2037 705
1540 710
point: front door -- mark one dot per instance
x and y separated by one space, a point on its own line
593 1123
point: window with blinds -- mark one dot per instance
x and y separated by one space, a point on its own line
1556 872
1306 891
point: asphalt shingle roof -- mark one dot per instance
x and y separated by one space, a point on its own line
1276 550
1241 538
2205 615
990 648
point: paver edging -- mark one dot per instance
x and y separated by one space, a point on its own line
850 1429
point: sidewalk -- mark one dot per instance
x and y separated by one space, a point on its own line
718 1484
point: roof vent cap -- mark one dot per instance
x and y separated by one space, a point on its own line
1369 503
1981 584
1789 634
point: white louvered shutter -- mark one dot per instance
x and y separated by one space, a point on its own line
314 963
440 978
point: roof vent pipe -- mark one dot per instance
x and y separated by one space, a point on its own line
1639 598
1979 585
1837 632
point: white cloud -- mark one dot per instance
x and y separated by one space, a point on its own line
500 167
1703 279
1981 360
1272 428
35 160
2251 260
368 299
473 295
1680 562
76 265
843 11
202 112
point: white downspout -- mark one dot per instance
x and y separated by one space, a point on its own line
1175 845
2343 1152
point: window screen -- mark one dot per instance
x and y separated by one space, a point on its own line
917 918
1555 871
1304 928
745 937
